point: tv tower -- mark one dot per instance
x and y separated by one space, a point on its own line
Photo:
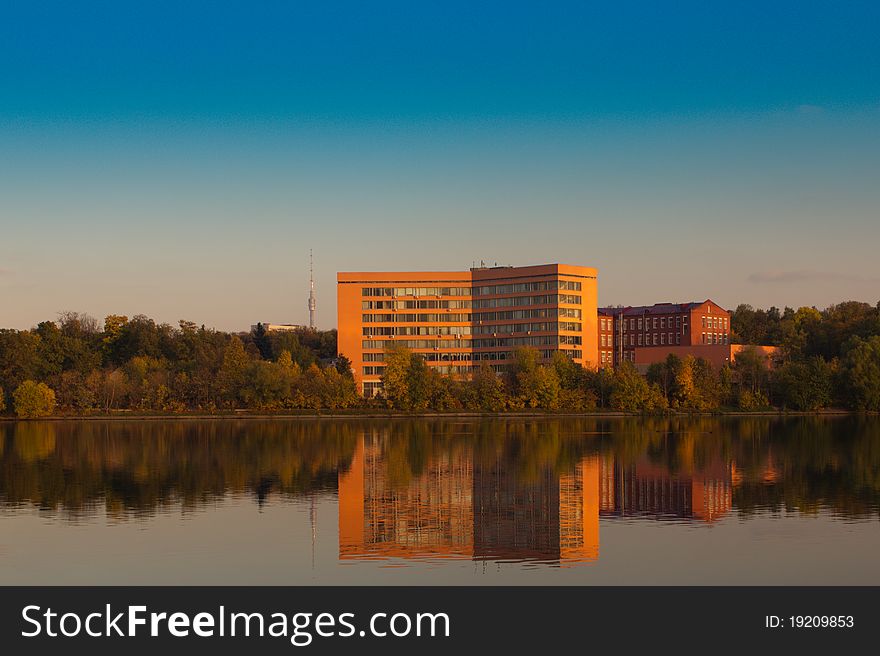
312 301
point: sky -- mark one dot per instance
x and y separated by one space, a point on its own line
179 160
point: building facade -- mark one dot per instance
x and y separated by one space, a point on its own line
624 330
458 319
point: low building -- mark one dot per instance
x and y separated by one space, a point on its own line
717 354
624 330
277 327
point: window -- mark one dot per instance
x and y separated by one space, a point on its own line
703 338
640 323
663 338
663 322
655 323
678 339
640 339
632 340
632 324
655 338
670 338
678 322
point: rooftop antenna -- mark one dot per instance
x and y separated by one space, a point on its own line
312 302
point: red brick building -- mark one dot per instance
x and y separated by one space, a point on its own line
622 330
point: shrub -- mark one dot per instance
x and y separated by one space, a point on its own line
33 400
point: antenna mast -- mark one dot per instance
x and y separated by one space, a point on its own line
312 302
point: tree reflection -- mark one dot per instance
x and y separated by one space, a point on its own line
771 464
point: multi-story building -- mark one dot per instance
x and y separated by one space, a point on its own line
457 319
624 330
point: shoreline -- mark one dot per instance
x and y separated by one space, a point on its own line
610 414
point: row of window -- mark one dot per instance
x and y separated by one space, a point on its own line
416 318
649 340
537 313
662 339
431 356
717 323
607 357
490 356
416 344
540 340
645 323
544 326
517 288
548 299
415 305
416 330
415 291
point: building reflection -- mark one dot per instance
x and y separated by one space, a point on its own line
462 506
645 489
469 505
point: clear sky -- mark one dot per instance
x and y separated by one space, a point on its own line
179 159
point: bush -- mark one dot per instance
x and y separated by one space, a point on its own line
750 401
33 400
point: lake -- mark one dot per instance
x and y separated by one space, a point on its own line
520 500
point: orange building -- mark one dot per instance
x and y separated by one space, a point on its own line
624 330
457 319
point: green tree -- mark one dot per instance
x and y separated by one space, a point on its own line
861 373
32 400
804 385
343 366
752 370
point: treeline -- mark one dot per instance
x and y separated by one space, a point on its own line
76 366
806 332
751 383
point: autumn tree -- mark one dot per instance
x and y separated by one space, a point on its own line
32 400
633 393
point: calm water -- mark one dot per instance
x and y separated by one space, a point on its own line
544 501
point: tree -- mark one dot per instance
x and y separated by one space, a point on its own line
750 366
2 400
343 366
395 377
804 385
632 393
489 389
231 377
32 400
861 373
706 385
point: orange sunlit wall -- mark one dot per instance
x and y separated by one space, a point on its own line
457 320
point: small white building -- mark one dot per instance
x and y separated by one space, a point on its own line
277 327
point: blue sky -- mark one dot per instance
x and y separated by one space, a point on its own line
179 159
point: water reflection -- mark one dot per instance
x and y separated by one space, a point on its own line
521 490
488 504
